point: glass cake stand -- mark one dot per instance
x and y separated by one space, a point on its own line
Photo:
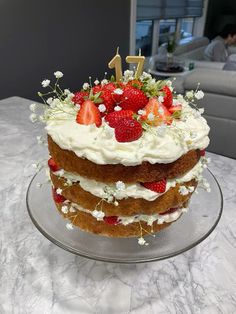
193 227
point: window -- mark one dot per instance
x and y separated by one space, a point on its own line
186 27
144 37
167 28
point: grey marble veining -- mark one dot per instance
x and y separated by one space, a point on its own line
39 277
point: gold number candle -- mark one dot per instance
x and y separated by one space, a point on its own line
116 63
140 62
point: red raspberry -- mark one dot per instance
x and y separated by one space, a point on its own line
79 97
128 130
52 165
111 220
156 186
114 117
58 198
133 99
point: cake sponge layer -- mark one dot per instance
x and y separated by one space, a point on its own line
145 172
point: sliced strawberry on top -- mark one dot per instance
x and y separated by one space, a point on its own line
58 198
52 165
159 113
133 99
156 186
173 109
80 97
111 220
89 114
128 130
114 117
168 97
169 211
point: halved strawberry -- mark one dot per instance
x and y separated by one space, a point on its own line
58 198
173 109
114 117
52 165
133 99
156 186
128 130
80 97
168 97
111 220
159 113
89 114
169 211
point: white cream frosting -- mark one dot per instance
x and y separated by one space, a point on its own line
100 146
131 190
126 220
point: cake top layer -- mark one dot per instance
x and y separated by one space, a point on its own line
126 122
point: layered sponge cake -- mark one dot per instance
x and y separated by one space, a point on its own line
125 157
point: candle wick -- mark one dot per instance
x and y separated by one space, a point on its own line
139 52
117 50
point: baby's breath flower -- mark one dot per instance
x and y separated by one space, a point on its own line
49 100
85 86
33 117
58 74
183 190
66 91
45 83
199 94
161 111
102 108
104 82
142 241
33 107
190 94
151 116
69 226
39 139
160 98
65 209
59 191
118 91
120 186
96 82
117 108
141 112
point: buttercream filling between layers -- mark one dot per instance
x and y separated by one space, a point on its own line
131 190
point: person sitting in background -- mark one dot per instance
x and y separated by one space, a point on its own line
217 49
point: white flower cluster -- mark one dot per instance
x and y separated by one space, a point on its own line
194 94
128 76
183 190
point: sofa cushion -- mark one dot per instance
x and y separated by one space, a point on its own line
212 81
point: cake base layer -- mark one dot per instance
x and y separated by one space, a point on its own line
126 207
145 172
87 222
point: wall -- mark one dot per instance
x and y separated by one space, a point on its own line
77 37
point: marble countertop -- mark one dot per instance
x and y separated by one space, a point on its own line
38 277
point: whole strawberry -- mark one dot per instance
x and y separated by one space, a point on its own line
80 97
133 99
52 165
156 186
114 117
168 97
128 130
